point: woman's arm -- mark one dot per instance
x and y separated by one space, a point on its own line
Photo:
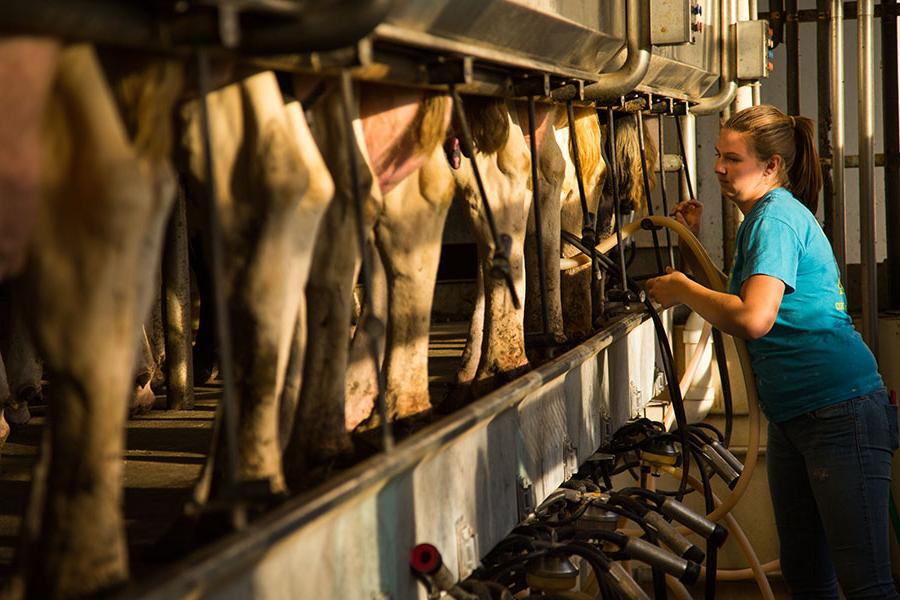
749 316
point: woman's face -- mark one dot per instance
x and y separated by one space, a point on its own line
742 177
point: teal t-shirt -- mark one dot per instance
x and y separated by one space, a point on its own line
812 357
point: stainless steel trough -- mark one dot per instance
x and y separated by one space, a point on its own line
460 484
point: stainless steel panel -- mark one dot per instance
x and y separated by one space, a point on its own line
569 37
580 34
351 538
689 70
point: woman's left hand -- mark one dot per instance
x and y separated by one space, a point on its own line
667 290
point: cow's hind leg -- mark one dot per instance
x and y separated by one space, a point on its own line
409 236
319 436
97 238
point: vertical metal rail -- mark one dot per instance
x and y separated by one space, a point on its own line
866 120
229 409
823 83
617 204
538 219
639 123
684 160
756 86
662 186
836 70
891 125
374 327
792 43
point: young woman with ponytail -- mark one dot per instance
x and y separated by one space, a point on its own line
832 428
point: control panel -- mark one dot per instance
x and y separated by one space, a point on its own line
675 22
754 44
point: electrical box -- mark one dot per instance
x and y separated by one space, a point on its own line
753 40
674 22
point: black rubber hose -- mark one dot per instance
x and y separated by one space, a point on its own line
639 123
538 219
725 378
711 547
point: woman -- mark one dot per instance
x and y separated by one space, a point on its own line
832 428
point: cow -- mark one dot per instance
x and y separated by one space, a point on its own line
495 345
273 192
105 186
406 188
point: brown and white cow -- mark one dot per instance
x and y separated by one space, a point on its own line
273 189
495 347
105 185
406 187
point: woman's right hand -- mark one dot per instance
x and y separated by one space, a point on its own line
688 213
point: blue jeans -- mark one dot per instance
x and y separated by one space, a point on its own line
830 476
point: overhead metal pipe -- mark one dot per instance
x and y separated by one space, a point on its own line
756 86
727 84
744 95
838 210
866 127
637 61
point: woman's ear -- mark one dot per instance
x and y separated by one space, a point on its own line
774 164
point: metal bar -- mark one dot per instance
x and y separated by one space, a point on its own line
661 142
683 147
836 70
228 404
792 43
866 130
823 84
375 329
617 203
756 86
538 220
645 173
775 17
891 127
851 161
849 9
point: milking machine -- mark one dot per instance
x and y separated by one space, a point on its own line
573 545
576 544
